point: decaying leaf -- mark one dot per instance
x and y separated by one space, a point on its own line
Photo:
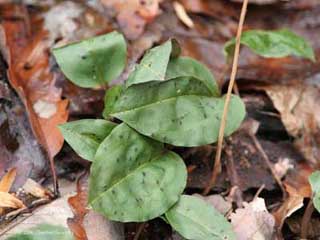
30 76
293 203
133 15
299 108
253 222
7 180
7 200
36 190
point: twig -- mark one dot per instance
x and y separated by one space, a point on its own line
305 219
258 192
139 231
217 163
234 178
269 164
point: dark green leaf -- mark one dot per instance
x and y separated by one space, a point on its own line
44 231
180 111
194 219
93 62
273 44
85 136
154 64
314 180
185 67
133 178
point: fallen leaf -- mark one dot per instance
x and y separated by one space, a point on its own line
7 180
30 76
253 221
293 203
298 106
36 190
7 200
78 204
133 15
182 15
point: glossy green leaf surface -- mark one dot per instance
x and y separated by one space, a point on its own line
195 219
154 64
180 111
273 44
314 180
93 62
185 67
85 136
133 178
44 231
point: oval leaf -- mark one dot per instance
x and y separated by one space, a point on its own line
44 231
133 178
195 219
93 62
178 111
314 180
154 64
273 44
85 136
185 67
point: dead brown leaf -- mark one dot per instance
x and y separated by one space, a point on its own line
133 15
299 108
30 76
7 180
253 222
78 204
7 200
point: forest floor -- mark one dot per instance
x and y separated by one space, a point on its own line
279 139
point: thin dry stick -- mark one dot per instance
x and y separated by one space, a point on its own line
306 219
234 178
270 166
139 231
217 163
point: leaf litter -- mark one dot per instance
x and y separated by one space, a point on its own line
286 90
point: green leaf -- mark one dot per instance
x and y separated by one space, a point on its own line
314 180
111 97
185 67
85 136
273 44
93 62
180 111
44 231
154 64
195 219
133 178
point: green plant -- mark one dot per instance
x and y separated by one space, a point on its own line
166 99
314 181
44 231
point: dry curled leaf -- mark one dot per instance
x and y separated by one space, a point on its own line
253 222
7 200
36 190
7 180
